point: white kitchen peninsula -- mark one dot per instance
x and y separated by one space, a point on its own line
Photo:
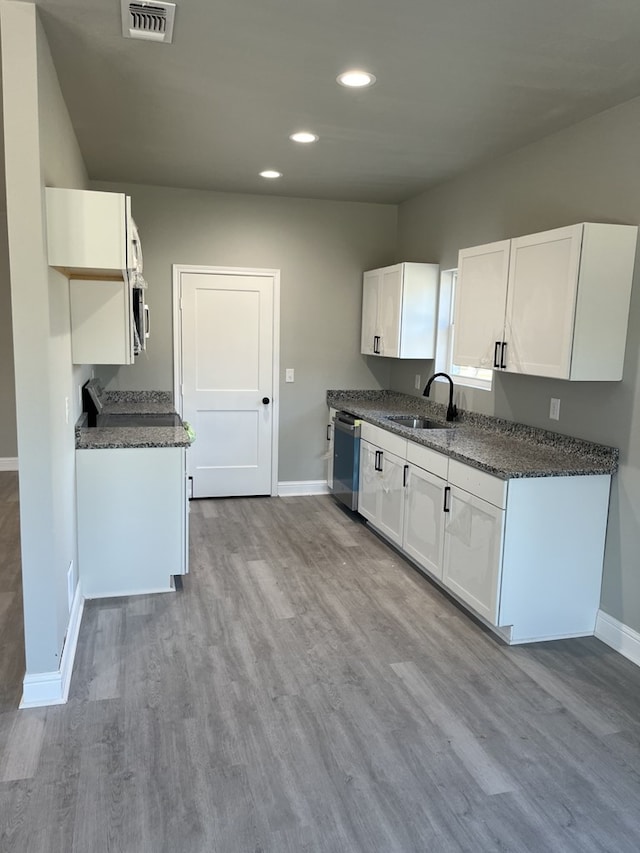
132 504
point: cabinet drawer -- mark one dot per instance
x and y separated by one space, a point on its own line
384 439
485 486
428 459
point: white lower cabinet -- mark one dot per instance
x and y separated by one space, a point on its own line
132 520
383 466
381 495
391 496
369 483
524 554
473 551
423 538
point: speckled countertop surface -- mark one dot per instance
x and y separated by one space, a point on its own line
502 448
132 403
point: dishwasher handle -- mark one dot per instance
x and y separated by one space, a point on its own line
348 424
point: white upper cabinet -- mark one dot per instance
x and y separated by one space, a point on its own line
90 232
101 321
370 299
541 300
399 311
481 295
568 301
565 304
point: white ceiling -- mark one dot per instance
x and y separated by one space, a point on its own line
459 82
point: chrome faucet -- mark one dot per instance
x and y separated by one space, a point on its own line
452 409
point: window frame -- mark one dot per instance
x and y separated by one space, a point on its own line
446 332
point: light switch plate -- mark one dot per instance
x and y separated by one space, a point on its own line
289 375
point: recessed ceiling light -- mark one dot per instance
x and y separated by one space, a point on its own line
270 173
303 136
356 79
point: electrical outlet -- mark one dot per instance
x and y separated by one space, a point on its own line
66 410
416 382
289 375
554 409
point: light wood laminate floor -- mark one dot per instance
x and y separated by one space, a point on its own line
310 692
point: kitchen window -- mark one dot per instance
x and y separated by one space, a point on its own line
474 377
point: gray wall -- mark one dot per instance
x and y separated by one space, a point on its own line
589 172
41 149
321 249
8 437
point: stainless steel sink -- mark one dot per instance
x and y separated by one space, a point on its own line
418 423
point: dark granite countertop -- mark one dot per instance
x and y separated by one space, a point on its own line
499 447
132 403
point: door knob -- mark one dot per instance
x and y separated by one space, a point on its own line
266 400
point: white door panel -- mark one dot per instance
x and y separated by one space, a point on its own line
541 302
473 552
391 300
391 513
369 486
370 293
424 519
227 366
480 298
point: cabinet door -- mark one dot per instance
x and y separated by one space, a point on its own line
480 299
86 230
369 482
390 519
370 298
423 538
473 552
187 509
390 311
543 280
138 496
101 322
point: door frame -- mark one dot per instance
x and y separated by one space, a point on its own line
274 274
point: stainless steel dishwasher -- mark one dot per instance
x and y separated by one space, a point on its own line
346 459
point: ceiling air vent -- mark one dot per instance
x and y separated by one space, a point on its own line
148 20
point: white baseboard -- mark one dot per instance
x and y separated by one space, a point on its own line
52 688
8 463
122 593
291 488
619 636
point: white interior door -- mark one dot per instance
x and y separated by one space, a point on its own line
227 356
